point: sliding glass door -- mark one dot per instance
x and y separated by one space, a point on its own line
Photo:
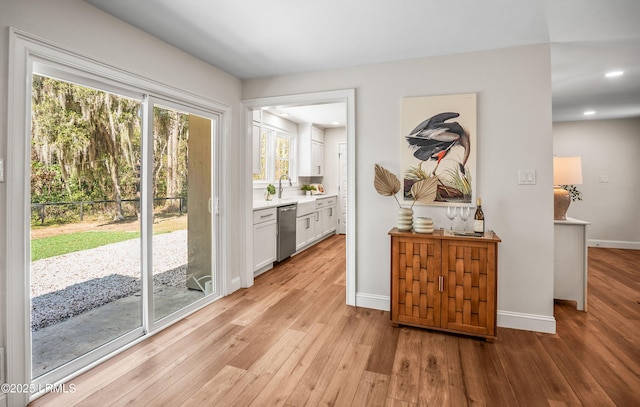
122 218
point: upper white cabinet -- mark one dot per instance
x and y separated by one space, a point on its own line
257 124
256 148
310 150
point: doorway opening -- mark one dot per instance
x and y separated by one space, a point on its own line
309 101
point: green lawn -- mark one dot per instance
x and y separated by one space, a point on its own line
73 242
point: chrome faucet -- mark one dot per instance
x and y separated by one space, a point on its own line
280 184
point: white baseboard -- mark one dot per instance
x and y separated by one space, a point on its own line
380 302
506 319
613 244
527 322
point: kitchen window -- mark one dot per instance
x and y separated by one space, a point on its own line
276 156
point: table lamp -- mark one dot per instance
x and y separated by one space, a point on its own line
566 171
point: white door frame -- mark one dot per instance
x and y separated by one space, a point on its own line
339 96
342 227
25 51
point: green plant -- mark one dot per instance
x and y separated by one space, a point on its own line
271 189
306 187
573 191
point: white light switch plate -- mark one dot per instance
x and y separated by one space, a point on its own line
526 177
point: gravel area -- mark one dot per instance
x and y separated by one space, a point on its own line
68 285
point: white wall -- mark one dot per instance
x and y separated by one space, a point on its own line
75 25
514 132
608 148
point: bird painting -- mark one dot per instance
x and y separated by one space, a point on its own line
431 141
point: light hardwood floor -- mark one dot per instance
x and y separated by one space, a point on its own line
291 341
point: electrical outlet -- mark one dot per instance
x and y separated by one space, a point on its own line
604 179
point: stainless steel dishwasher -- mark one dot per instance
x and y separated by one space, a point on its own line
286 231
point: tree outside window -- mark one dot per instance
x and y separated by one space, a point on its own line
276 157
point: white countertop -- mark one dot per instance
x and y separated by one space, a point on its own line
275 202
571 221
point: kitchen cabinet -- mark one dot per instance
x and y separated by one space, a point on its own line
310 150
445 282
265 229
327 219
315 220
305 230
256 148
257 129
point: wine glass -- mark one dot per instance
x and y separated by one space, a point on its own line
465 211
452 212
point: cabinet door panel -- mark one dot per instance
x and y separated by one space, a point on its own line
470 289
414 281
264 244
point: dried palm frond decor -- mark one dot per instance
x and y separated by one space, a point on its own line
387 184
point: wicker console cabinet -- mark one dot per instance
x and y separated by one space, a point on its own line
444 282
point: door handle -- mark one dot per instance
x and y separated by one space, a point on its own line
441 283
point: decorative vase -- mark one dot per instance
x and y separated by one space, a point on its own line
267 196
405 219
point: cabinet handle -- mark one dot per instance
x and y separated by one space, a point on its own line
330 212
308 223
266 216
441 283
318 170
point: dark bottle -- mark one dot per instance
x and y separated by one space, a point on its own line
478 223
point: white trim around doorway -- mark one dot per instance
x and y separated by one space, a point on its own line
347 96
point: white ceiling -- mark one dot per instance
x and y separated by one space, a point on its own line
326 115
256 38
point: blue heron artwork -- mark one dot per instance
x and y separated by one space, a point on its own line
439 141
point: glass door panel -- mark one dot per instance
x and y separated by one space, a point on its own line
182 238
85 231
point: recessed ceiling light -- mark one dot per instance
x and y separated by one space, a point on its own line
284 114
335 123
589 112
613 74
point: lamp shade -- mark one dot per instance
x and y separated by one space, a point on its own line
567 170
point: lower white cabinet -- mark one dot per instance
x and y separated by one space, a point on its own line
305 230
265 230
329 220
326 216
319 224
